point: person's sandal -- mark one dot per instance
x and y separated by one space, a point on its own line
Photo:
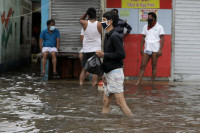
42 75
55 73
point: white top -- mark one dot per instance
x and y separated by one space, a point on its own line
92 38
82 32
152 39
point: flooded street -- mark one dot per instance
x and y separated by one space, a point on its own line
59 106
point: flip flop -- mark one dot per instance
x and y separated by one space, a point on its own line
42 75
55 73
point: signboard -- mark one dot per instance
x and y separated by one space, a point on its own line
143 13
140 3
124 13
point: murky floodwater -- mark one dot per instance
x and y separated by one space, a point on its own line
29 105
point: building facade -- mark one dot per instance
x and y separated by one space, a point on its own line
15 33
179 61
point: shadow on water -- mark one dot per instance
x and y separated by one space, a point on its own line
29 105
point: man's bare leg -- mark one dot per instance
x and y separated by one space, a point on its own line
54 61
94 79
82 76
80 56
145 60
122 104
44 61
107 103
154 60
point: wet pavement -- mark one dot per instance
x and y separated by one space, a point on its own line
59 106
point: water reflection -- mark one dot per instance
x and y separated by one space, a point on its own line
29 105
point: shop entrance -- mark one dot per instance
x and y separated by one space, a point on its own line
135 16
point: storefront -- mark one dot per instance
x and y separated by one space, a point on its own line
186 40
179 61
135 13
67 14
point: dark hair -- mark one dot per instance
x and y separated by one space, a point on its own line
91 12
50 21
115 10
153 15
111 15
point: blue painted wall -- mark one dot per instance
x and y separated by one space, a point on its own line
44 13
44 19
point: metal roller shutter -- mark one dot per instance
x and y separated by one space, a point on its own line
187 40
66 14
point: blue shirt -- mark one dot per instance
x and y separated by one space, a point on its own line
49 40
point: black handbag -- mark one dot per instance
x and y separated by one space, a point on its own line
94 65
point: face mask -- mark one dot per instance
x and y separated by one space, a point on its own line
52 28
105 24
150 20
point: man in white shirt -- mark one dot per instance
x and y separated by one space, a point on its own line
81 51
91 41
153 38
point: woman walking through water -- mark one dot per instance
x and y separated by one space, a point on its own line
153 38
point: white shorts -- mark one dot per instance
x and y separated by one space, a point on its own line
49 49
115 82
148 52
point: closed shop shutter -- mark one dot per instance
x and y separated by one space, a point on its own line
66 14
187 40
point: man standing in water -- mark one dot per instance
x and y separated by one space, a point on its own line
81 39
113 56
153 37
91 41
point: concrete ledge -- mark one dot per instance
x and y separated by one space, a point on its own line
61 54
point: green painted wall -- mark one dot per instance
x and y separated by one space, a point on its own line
10 30
10 27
